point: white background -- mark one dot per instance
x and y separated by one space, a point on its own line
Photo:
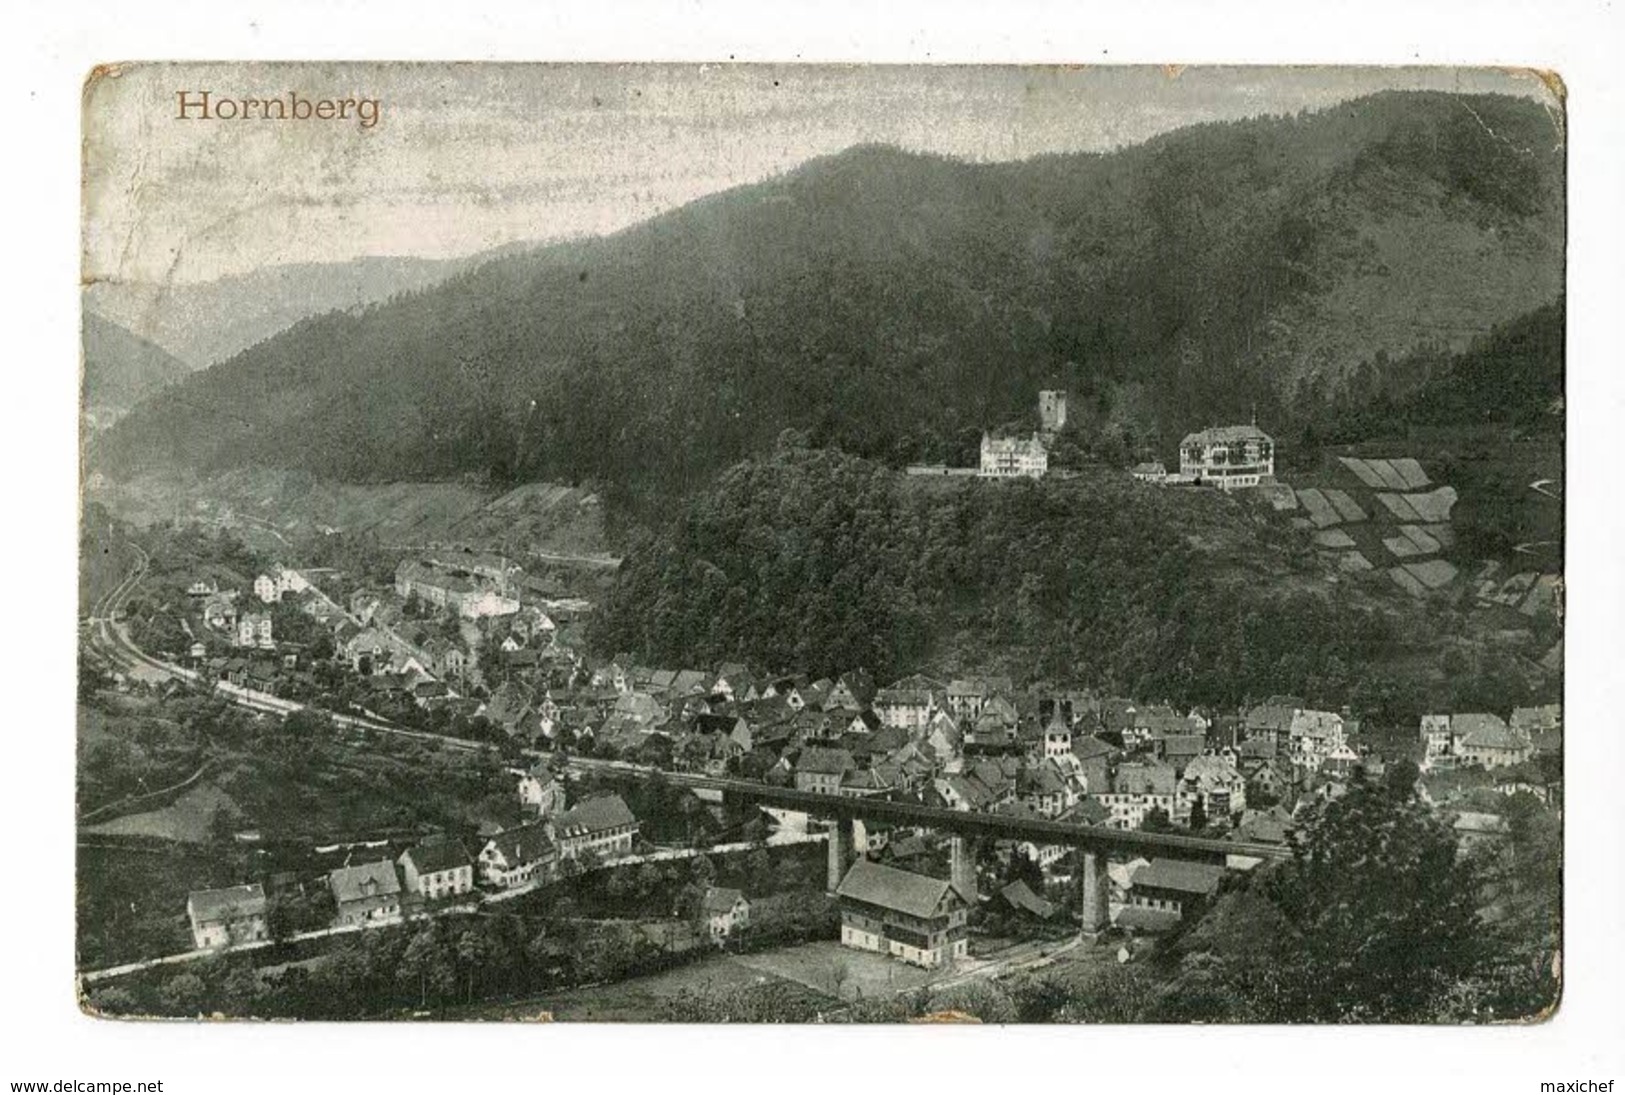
48 51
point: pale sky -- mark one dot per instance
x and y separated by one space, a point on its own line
469 157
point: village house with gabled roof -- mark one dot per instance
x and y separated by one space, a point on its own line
1315 735
1150 725
708 753
865 783
513 857
602 825
1095 760
1271 722
911 917
367 893
446 658
1528 779
1487 741
509 705
735 682
1019 899
842 698
723 912
1176 886
733 727
1217 784
533 625
971 792
225 917
966 696
540 790
690 682
820 771
220 612
1475 830
369 651
1272 826
254 630
1541 726
265 588
908 703
1267 777
437 867
1139 788
816 695
641 708
1437 742
1042 788
1443 786
1179 750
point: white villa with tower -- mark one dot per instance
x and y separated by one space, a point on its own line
1013 457
1017 457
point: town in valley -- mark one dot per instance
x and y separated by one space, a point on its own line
969 608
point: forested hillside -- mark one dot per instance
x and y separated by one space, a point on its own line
817 561
896 304
121 369
1512 377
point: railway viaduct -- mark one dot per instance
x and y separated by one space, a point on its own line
1091 843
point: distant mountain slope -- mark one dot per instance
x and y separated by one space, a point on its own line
895 303
399 514
121 369
202 323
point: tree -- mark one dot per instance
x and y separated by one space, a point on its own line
471 955
687 906
840 974
112 1000
222 827
1198 820
442 974
240 991
1382 909
417 962
620 885
1399 779
321 648
1157 821
281 919
759 869
182 994
649 880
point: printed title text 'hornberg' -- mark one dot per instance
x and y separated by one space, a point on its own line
292 107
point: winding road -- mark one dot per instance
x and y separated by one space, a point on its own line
110 641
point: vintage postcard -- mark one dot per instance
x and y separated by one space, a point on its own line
841 544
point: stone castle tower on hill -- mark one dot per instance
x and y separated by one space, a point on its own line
1051 411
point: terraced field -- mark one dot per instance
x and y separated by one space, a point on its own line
1380 516
1371 513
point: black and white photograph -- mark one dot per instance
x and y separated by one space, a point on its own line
747 543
